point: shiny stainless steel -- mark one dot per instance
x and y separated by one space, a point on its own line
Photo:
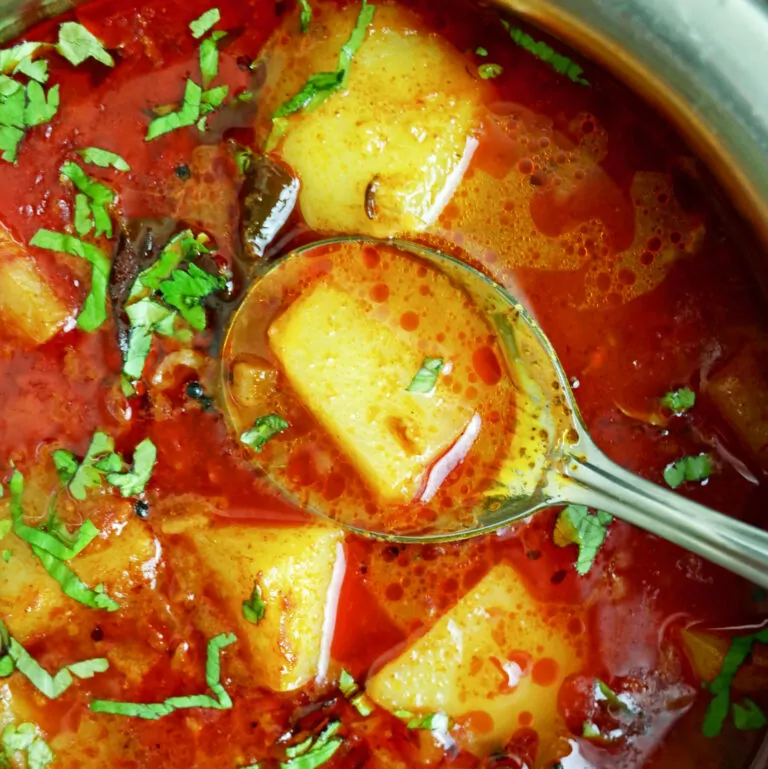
702 62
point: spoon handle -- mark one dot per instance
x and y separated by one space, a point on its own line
737 546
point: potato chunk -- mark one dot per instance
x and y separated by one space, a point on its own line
27 303
299 572
385 156
353 371
740 393
496 655
31 601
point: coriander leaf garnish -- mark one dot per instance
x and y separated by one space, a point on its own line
263 430
489 71
185 290
76 44
435 722
51 686
52 553
94 310
99 460
186 116
692 469
680 400
133 482
576 525
254 608
748 716
40 107
99 196
314 752
306 14
11 58
209 57
33 69
323 84
480 51
83 216
426 377
103 158
152 711
10 138
25 739
5 528
43 540
351 691
207 21
561 64
720 687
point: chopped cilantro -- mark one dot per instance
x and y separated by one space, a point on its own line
720 687
33 69
152 711
351 691
480 51
312 752
134 481
254 608
306 14
691 469
5 528
434 722
576 525
25 739
83 217
180 247
263 430
347 684
51 686
103 158
40 107
186 290
323 84
209 57
680 400
94 310
11 58
206 22
6 556
99 196
98 461
748 716
186 116
10 138
426 377
76 44
489 71
561 64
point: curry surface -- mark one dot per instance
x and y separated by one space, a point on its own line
603 224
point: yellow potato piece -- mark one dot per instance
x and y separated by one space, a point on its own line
489 656
32 602
294 567
352 372
27 303
403 131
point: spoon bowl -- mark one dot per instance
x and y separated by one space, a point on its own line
549 458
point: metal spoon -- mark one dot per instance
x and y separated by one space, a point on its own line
561 464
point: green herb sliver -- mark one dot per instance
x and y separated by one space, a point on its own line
204 23
94 310
134 481
76 44
426 377
358 699
263 430
720 687
99 460
561 64
152 711
576 525
679 401
186 290
489 71
51 686
103 158
186 116
691 469
25 739
255 608
98 194
314 752
305 15
321 85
